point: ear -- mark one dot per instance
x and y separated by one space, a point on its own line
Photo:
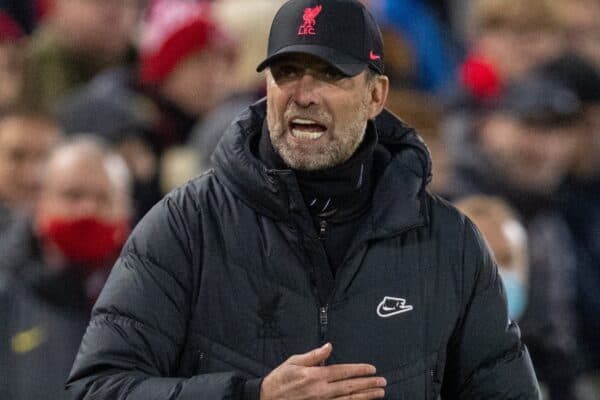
268 76
379 90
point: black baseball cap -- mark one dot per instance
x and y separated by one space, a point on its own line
539 100
340 32
575 72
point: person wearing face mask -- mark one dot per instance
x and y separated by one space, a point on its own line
507 239
54 265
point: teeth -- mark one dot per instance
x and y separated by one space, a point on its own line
301 121
306 134
306 129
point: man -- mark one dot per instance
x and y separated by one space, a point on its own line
26 140
150 109
507 240
521 149
75 41
310 263
53 268
184 61
580 196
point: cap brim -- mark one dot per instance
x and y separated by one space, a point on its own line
346 65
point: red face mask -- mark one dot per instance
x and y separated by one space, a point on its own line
85 240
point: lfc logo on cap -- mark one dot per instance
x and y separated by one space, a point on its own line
310 20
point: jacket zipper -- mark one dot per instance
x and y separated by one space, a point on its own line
323 310
323 322
200 362
322 228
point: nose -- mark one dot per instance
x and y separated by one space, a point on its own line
306 91
32 171
87 206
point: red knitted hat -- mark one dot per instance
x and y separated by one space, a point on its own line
175 29
9 28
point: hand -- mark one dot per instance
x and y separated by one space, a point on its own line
303 377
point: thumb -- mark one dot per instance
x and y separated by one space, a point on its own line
313 358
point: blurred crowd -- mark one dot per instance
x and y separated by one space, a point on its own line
106 105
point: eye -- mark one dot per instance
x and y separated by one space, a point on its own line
331 74
285 72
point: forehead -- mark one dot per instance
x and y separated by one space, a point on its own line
23 130
78 170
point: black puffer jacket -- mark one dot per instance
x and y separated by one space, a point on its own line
216 287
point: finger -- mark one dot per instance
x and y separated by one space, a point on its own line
366 395
312 358
340 372
356 385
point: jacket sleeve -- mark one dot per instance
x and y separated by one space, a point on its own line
133 344
486 357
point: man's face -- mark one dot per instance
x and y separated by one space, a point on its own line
316 116
100 28
533 158
24 148
77 185
199 82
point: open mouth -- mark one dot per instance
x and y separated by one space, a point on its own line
306 129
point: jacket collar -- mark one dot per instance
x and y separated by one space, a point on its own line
398 195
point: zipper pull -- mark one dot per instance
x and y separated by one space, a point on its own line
322 229
323 319
323 322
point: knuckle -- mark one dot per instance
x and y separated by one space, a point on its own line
350 387
318 374
307 374
291 359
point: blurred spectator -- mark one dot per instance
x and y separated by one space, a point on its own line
11 61
508 38
53 267
582 23
185 58
530 138
422 112
248 24
580 195
521 149
76 40
183 74
137 146
507 239
26 140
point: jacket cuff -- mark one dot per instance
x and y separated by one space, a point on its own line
252 389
